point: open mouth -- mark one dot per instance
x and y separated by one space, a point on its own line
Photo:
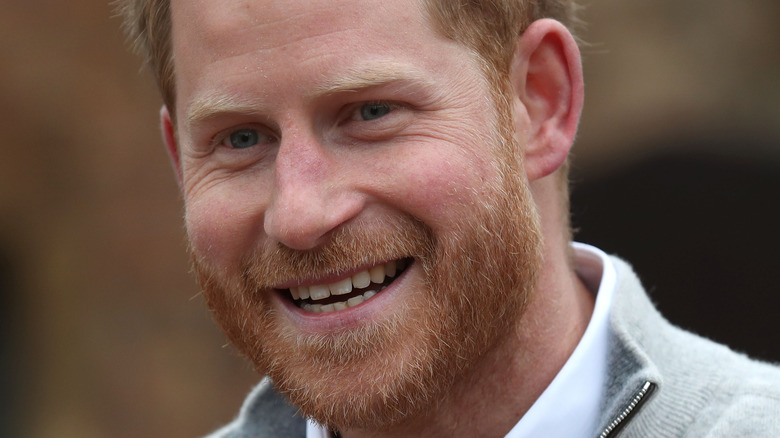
349 292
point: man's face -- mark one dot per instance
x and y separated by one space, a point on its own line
324 145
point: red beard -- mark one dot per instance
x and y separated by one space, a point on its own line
474 286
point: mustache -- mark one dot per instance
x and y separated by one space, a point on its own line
351 246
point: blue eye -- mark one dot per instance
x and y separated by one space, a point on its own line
244 138
373 111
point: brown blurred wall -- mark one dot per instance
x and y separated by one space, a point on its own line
104 333
677 68
111 337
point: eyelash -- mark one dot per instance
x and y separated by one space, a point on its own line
354 113
223 137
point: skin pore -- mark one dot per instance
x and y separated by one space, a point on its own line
317 140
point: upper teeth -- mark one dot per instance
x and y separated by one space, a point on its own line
359 280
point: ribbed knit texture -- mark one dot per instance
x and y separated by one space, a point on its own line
704 389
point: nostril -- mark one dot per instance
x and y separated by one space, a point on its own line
293 228
301 221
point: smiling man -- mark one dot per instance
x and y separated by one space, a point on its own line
376 200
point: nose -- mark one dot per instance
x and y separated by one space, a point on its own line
311 196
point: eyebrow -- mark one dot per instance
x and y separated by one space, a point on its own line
369 77
212 104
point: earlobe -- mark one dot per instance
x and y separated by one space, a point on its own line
171 144
547 79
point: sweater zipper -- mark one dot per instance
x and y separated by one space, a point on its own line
620 421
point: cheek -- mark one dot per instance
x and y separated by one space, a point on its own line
223 225
439 186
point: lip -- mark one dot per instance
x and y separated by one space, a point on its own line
378 306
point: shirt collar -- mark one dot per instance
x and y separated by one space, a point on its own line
570 404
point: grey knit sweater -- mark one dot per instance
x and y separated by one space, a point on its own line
663 382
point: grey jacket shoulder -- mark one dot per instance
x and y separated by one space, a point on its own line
704 389
265 414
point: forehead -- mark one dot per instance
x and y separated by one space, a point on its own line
215 22
205 31
269 53
220 43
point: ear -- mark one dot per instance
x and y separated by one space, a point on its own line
546 74
171 145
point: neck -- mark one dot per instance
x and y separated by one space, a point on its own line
527 360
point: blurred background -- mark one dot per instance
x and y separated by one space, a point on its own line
102 328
